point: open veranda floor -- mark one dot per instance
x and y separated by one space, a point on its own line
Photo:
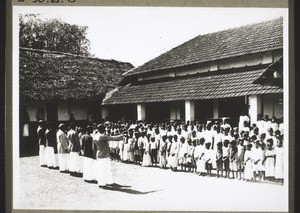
143 188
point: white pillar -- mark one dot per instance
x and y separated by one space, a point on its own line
189 111
104 112
216 108
141 112
254 107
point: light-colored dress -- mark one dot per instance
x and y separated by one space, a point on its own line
146 156
126 152
248 172
240 158
256 155
131 149
121 147
270 163
173 157
162 153
183 150
200 163
279 162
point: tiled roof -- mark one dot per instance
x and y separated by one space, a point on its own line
260 37
221 84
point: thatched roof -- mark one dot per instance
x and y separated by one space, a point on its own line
54 76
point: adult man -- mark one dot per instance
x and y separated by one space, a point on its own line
42 144
50 144
74 147
104 175
62 147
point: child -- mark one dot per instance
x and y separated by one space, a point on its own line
199 152
169 143
225 157
173 157
261 164
183 150
256 158
208 158
131 141
121 149
240 157
248 172
219 161
141 144
153 150
279 151
137 152
233 158
126 150
270 160
146 156
163 152
190 154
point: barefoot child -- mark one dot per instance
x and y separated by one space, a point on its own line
270 160
226 157
256 157
163 152
233 158
248 172
279 160
199 152
219 161
240 160
208 158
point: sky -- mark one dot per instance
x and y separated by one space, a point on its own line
139 34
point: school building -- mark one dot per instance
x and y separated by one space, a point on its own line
55 86
221 74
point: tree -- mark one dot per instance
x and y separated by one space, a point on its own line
53 35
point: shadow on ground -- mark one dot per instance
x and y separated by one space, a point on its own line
126 189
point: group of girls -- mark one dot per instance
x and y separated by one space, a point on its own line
248 153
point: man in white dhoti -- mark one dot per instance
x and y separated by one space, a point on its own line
74 148
42 144
62 148
104 175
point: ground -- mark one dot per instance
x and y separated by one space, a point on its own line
144 189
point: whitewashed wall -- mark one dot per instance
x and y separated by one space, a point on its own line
235 62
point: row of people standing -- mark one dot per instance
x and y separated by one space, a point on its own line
71 144
203 149
68 146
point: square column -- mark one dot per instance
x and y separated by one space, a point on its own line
254 107
141 112
216 108
104 112
189 110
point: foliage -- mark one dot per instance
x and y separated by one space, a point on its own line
53 35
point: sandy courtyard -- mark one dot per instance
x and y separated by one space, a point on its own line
144 189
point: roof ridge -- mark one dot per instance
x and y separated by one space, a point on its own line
69 54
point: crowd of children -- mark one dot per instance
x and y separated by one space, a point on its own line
245 152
